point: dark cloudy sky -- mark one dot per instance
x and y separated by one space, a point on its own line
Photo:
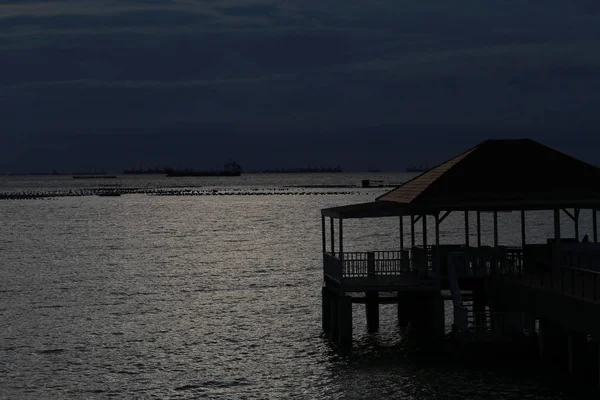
381 83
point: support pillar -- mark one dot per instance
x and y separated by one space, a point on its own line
323 235
496 229
412 230
553 342
341 245
372 307
425 250
332 236
595 228
556 249
333 316
326 309
467 228
577 345
523 240
576 212
401 233
478 228
438 255
428 316
404 310
438 317
345 322
598 366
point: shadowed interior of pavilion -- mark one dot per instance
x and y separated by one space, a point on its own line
493 177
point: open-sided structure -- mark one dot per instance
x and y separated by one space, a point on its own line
493 177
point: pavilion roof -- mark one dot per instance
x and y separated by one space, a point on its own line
501 173
494 175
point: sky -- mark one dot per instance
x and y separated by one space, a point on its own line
90 85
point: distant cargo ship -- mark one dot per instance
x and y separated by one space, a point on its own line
78 176
308 170
230 169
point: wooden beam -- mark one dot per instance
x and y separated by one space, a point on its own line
324 236
443 217
425 233
478 228
572 216
595 222
438 263
341 245
555 253
523 234
467 228
438 221
557 225
425 253
495 229
412 230
401 233
576 212
332 236
416 219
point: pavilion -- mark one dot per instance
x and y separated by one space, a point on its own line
495 176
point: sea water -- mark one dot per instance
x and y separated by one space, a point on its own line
145 296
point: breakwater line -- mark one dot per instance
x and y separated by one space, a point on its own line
40 195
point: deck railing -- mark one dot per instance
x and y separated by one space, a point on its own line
367 264
577 272
474 262
484 261
375 263
577 282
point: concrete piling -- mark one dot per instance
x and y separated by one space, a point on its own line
372 307
345 322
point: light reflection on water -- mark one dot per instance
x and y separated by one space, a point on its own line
218 297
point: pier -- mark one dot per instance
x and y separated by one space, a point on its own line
546 294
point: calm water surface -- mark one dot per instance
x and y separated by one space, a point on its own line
144 296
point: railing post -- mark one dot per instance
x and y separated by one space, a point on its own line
425 252
412 230
478 228
324 236
595 227
404 261
332 236
371 264
466 228
341 245
438 258
576 212
401 233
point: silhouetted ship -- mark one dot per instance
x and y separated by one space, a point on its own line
149 171
230 169
308 170
92 175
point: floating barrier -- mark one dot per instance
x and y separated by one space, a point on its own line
39 195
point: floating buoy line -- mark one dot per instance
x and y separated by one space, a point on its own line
39 195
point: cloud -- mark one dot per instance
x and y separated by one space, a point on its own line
327 66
